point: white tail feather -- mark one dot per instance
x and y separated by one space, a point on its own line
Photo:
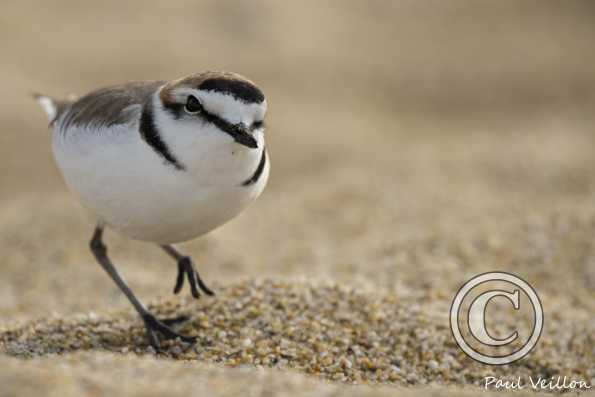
48 105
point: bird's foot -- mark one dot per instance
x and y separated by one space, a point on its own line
154 327
186 268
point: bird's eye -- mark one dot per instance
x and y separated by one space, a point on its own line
193 105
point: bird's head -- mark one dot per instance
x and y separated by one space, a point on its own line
227 102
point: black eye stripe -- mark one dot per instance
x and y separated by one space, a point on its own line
218 121
177 110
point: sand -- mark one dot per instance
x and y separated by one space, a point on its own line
399 171
332 332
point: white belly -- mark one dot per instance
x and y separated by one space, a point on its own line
131 189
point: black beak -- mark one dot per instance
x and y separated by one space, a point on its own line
240 134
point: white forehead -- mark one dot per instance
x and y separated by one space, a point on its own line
226 106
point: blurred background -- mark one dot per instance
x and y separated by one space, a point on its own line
413 144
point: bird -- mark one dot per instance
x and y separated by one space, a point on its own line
162 162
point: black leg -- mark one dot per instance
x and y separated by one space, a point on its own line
152 325
186 268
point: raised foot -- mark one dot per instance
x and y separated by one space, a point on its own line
186 268
154 327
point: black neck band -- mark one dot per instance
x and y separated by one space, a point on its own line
148 130
258 172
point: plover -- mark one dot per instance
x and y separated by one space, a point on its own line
162 162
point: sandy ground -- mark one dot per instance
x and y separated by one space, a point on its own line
412 147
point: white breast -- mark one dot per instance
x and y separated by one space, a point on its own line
133 190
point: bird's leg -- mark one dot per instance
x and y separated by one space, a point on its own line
186 268
152 325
